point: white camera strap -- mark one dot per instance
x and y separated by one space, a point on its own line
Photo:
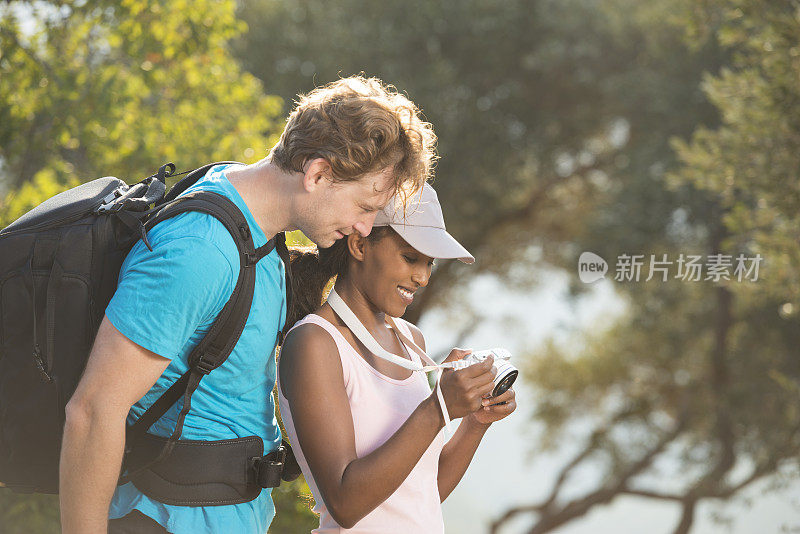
363 335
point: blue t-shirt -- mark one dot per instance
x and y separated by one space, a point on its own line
166 300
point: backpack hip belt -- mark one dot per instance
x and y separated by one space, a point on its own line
210 473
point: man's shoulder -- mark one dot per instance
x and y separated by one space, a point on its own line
191 247
203 230
201 225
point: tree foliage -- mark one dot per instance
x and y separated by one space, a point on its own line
750 163
25 514
533 102
293 503
90 89
704 374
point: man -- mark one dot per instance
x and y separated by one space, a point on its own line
346 149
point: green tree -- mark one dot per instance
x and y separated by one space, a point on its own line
89 89
27 514
703 374
750 163
293 503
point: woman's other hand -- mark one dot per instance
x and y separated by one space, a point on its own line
495 408
464 389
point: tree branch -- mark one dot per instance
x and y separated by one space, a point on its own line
652 495
496 226
591 446
551 518
687 516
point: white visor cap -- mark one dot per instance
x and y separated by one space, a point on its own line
421 224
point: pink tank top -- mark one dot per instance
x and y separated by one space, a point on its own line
379 406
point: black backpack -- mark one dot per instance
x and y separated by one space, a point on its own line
59 265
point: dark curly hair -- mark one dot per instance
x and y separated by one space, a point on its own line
312 270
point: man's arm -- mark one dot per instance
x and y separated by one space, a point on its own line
118 373
165 286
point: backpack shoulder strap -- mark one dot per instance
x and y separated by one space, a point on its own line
224 333
283 252
191 178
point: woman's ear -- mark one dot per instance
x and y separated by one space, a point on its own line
356 243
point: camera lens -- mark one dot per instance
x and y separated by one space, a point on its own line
505 382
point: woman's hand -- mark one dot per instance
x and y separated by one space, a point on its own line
495 408
464 389
458 452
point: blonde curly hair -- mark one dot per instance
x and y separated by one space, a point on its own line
359 125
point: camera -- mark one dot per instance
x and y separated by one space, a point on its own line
506 373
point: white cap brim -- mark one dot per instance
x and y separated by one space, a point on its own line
434 242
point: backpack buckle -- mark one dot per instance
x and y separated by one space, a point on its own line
203 366
269 468
110 199
251 258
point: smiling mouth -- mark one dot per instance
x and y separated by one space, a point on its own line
406 294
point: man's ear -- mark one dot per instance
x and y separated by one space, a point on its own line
316 171
356 243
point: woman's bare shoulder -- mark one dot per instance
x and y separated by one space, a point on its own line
307 350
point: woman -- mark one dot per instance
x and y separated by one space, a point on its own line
367 432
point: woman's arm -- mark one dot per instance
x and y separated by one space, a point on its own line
459 450
312 382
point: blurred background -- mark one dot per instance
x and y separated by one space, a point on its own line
619 127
